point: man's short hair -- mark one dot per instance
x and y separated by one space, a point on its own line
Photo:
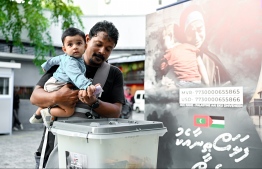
105 26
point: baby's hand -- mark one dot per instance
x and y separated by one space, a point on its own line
82 93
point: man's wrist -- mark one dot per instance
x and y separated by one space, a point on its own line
95 104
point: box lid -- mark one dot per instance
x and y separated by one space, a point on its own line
107 128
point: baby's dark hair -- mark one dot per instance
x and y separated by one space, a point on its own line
73 32
105 26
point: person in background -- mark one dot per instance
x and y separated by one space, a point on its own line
132 100
101 40
16 101
127 92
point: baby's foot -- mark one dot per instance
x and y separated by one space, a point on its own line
34 120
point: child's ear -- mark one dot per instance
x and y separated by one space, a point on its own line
87 38
63 48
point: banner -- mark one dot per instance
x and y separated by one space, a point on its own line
203 80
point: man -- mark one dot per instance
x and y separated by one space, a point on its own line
101 40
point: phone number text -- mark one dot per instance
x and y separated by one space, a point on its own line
220 95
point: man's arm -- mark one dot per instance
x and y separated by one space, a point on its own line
109 110
64 96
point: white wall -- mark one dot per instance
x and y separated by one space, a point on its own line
28 75
131 30
120 7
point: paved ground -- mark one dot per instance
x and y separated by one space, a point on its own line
17 150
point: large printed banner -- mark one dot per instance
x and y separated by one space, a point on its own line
203 80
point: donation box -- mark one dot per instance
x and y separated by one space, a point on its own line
108 143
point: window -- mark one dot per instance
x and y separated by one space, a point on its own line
138 96
4 86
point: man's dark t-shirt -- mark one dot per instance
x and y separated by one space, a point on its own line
112 93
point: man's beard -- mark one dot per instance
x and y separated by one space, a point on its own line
94 63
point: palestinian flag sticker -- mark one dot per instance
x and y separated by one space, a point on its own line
209 121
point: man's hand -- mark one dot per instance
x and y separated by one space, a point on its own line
66 96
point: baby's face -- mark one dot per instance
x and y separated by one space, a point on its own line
196 33
74 46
